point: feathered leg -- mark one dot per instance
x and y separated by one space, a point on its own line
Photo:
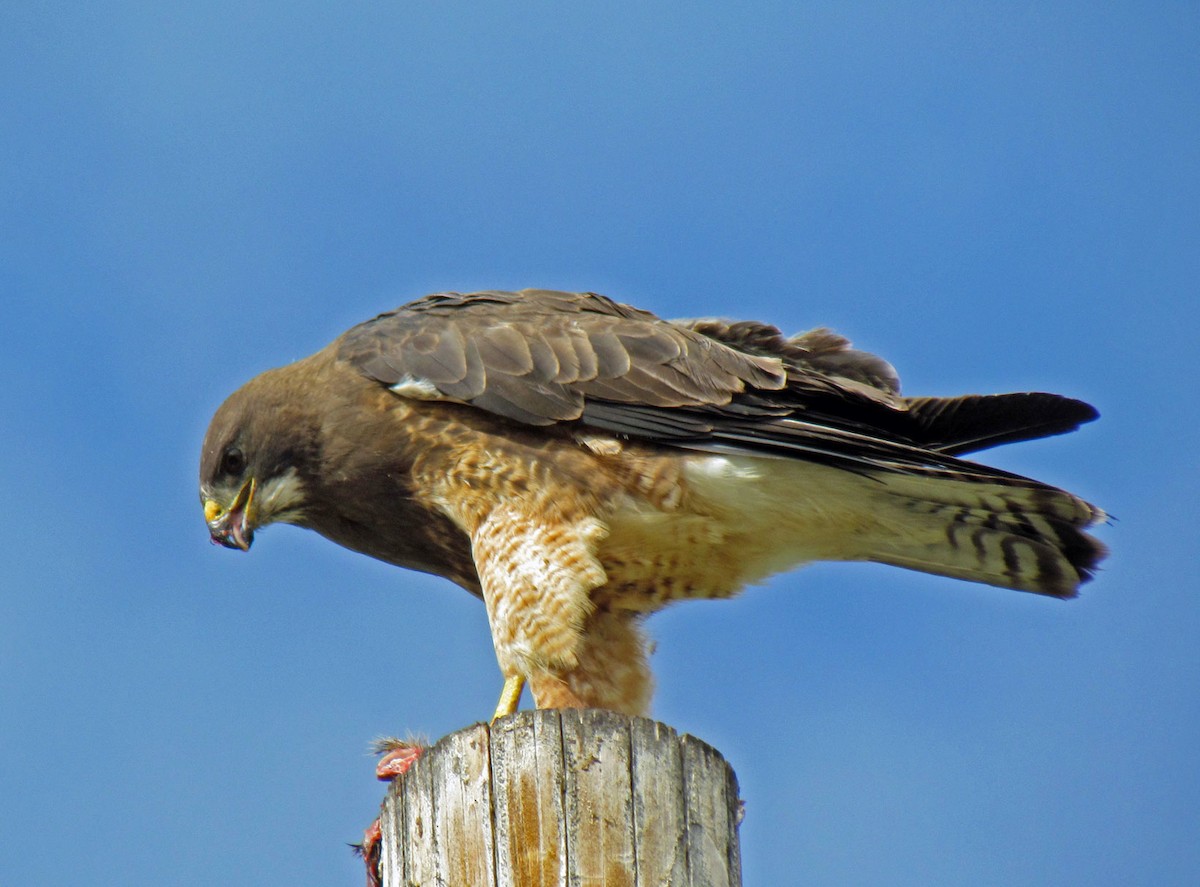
611 670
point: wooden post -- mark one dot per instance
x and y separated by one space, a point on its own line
563 799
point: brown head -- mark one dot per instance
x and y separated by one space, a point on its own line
260 447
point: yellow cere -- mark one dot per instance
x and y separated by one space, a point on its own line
211 510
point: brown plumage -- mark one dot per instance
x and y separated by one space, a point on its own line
579 464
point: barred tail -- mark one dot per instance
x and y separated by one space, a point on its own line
1014 533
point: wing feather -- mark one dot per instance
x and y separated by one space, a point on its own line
613 360
505 350
439 356
974 422
540 357
537 355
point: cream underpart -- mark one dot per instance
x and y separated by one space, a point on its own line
740 520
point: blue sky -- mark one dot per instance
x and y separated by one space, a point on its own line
994 196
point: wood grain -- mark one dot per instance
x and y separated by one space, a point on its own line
565 798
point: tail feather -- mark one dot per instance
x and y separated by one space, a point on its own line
1028 538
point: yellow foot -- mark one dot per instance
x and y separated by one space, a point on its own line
510 696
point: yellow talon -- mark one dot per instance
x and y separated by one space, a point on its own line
510 696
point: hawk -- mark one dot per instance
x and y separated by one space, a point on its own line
579 464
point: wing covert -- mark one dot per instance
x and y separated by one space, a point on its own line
541 357
536 356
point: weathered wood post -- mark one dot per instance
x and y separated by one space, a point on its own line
572 798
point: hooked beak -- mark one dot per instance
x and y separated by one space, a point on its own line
231 526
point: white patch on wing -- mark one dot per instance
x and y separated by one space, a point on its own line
280 499
600 444
416 388
723 469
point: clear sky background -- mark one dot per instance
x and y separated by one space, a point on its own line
993 196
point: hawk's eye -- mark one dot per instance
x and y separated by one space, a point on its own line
233 461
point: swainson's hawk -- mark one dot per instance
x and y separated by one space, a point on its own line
579 464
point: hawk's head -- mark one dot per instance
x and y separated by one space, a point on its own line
256 454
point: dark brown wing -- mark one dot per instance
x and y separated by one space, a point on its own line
977 421
951 425
540 357
819 351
